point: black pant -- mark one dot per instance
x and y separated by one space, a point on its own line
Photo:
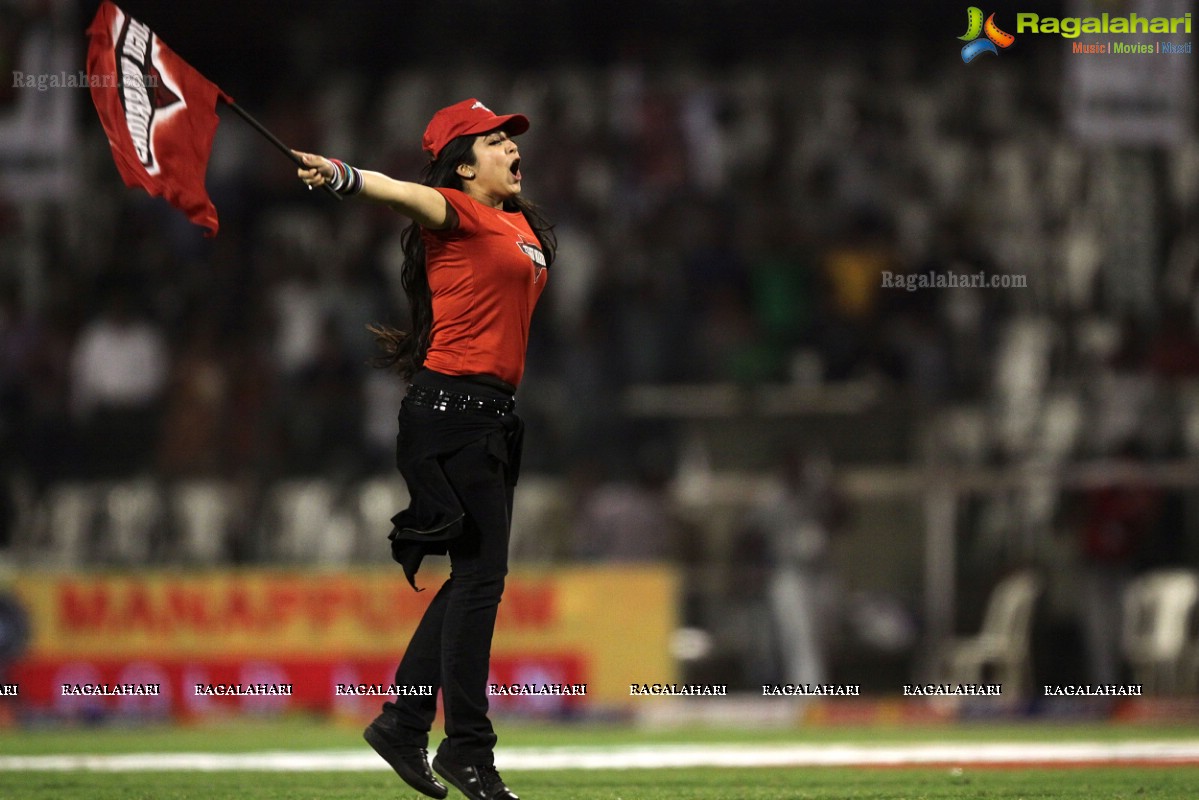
451 647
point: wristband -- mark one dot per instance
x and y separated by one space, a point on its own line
346 180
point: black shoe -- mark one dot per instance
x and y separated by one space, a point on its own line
477 783
410 763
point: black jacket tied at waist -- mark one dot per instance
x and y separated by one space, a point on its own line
441 415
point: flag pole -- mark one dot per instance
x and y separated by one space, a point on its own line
273 139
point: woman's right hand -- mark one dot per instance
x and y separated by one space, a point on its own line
317 170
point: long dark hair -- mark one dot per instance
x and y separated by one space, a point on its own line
405 351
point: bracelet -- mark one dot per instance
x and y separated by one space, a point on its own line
336 180
347 180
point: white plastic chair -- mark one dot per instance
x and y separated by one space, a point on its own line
72 509
202 509
1004 642
303 510
378 500
134 509
1157 619
539 512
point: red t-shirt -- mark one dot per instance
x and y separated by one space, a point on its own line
486 275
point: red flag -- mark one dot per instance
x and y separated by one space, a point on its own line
158 112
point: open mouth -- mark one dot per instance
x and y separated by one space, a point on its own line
514 168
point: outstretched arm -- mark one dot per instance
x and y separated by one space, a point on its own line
416 201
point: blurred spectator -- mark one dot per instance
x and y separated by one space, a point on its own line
1124 394
297 310
1118 521
790 525
852 269
382 393
35 424
253 415
324 434
118 373
920 356
1174 351
19 333
782 281
628 520
194 433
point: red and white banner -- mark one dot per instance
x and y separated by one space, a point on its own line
158 111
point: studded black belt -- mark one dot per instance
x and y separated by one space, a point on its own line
445 400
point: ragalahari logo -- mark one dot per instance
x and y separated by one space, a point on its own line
974 27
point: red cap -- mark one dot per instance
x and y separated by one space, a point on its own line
468 117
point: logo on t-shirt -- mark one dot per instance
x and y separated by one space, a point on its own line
535 255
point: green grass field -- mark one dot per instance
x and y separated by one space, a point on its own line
676 784
825 783
304 733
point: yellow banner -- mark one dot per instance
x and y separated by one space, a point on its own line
616 620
